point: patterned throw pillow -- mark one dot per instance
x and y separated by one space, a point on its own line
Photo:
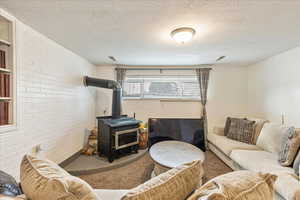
241 130
289 146
227 125
238 185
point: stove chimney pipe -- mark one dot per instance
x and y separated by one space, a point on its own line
108 84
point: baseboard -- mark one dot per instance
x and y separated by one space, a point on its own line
70 159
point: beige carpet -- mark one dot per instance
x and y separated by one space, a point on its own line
139 171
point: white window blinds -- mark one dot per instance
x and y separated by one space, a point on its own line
161 86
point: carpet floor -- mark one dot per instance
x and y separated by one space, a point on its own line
139 171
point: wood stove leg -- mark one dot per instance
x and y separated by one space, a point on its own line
111 158
136 148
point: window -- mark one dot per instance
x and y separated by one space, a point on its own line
161 87
7 75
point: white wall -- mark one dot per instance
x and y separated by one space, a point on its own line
227 96
54 108
274 88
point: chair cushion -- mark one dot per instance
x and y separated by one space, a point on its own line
226 145
238 185
271 136
176 184
289 146
111 194
43 179
241 130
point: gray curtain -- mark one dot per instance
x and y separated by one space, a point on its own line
121 73
203 79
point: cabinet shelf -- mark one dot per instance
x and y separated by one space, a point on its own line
4 70
5 98
5 42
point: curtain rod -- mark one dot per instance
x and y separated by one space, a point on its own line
190 68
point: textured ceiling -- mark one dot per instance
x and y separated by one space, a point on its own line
136 32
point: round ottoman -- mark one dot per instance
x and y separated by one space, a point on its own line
170 154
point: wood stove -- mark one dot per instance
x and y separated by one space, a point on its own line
117 132
115 135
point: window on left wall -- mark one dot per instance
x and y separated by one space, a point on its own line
7 72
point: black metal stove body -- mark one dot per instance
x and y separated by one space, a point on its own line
117 135
117 132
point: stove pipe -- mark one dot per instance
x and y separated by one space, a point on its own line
109 84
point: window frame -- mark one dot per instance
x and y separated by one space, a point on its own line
13 75
170 99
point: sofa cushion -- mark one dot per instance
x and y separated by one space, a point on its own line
259 123
176 184
289 146
260 161
43 179
271 136
238 185
226 145
241 130
110 194
266 162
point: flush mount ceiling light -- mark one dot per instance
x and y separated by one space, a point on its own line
183 35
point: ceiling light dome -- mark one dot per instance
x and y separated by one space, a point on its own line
183 35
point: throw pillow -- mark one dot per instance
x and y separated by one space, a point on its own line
176 184
43 179
297 163
8 185
259 123
227 125
290 144
238 185
241 130
270 137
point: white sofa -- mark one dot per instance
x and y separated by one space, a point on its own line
238 155
111 194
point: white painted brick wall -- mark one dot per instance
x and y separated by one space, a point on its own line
55 109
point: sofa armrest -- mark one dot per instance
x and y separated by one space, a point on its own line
218 130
